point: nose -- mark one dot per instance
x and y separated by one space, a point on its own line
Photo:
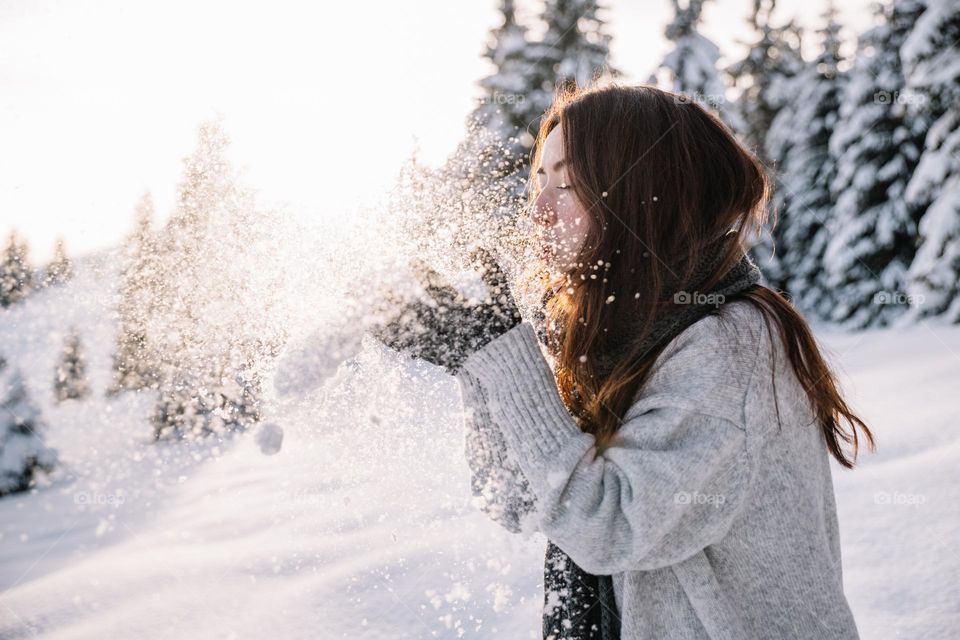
542 213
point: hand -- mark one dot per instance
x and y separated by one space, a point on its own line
499 312
444 328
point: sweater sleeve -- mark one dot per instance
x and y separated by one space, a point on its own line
497 484
670 485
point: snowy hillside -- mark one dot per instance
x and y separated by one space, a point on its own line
361 526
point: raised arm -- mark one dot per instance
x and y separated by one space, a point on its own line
496 481
671 485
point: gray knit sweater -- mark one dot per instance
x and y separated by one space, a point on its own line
715 519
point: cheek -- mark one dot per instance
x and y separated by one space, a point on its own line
575 222
566 208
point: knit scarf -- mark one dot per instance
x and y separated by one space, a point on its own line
579 605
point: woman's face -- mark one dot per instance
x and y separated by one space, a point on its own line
559 218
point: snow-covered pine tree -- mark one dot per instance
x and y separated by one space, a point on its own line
798 144
499 132
190 408
876 145
60 268
23 453
243 398
475 195
760 79
485 178
576 45
16 274
763 82
136 363
519 89
70 378
212 318
931 61
574 48
691 65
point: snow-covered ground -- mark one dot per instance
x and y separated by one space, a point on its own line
361 526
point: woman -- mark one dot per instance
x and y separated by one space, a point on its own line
673 442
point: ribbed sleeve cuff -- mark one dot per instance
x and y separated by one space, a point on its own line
523 400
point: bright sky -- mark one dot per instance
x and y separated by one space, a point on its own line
99 101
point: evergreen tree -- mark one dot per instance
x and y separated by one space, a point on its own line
574 49
798 143
70 380
212 317
499 132
877 145
762 78
135 362
23 454
188 408
576 46
691 66
60 268
483 182
931 60
519 90
16 275
243 399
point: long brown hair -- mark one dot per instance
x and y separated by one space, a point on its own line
659 178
